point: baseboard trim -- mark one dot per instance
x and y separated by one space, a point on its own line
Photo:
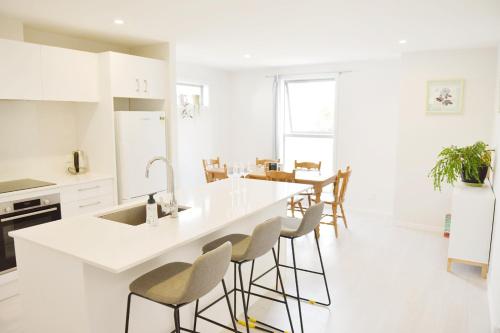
422 227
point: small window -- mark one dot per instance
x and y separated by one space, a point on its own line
193 94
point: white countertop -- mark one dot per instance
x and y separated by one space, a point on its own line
59 180
117 247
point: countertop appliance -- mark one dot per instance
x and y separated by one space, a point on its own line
140 136
79 164
21 214
21 184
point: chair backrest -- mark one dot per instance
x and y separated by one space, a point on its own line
210 163
222 174
263 238
311 219
308 165
207 271
266 161
340 185
281 176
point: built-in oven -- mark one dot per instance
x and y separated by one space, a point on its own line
21 214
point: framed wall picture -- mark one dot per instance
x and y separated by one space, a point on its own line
445 96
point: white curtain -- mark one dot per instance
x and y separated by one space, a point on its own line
276 92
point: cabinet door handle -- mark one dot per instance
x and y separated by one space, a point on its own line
90 204
138 88
88 188
145 86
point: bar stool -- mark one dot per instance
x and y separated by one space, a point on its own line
177 284
246 249
293 228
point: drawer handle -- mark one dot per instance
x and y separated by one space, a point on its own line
89 188
137 85
90 204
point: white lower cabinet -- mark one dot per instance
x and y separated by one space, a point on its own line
86 206
471 224
86 198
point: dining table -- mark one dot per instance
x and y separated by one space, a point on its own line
318 179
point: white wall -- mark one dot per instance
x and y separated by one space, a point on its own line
421 136
35 137
206 135
494 269
368 104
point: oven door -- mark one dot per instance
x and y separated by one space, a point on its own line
19 220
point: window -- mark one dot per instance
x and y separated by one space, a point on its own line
191 98
306 120
187 91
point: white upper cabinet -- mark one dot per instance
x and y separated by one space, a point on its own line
20 73
137 77
69 75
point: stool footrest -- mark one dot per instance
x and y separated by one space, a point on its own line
302 269
254 321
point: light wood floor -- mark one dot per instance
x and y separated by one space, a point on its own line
383 278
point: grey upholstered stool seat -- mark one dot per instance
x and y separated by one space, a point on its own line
239 242
166 284
293 228
247 248
178 283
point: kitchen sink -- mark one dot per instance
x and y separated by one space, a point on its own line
134 215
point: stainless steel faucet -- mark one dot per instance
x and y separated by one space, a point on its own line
170 207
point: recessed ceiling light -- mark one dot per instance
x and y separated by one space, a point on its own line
118 21
247 56
403 41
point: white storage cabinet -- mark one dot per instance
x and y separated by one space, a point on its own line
69 75
137 77
20 70
471 226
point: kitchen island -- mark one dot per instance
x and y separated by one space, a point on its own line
74 273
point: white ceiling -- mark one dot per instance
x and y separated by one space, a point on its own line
274 32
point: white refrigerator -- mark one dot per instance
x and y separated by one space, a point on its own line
140 136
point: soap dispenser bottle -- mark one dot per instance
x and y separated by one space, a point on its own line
152 211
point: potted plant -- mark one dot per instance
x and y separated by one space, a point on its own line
471 163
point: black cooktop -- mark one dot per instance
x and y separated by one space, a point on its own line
22 184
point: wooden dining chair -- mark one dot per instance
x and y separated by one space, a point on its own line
265 161
307 166
339 190
289 177
217 174
210 163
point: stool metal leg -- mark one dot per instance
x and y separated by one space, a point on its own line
297 286
250 284
228 305
177 320
245 310
128 312
196 314
276 260
235 287
278 263
323 271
